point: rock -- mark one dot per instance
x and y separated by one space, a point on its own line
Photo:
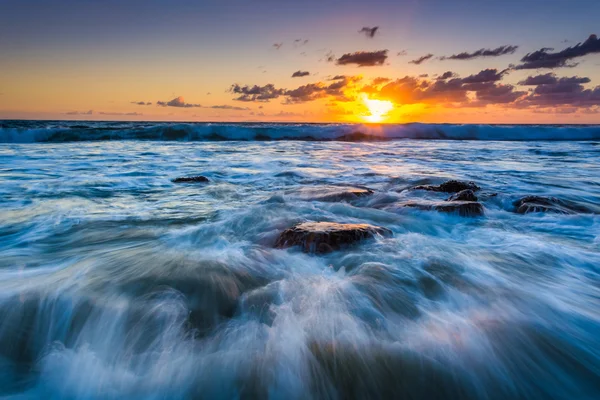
324 237
334 193
463 208
463 195
191 179
531 204
452 186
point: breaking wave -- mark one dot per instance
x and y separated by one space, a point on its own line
75 131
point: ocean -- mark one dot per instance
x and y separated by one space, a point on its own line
116 282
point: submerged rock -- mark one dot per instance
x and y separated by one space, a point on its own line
324 237
334 193
463 208
451 186
463 195
531 204
191 179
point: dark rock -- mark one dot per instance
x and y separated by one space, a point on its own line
463 195
324 237
531 204
463 208
191 179
334 193
450 187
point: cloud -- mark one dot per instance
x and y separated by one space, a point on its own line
545 58
475 90
330 57
363 58
300 74
445 75
498 51
141 103
277 45
486 75
551 79
177 102
228 107
256 93
120 113
402 53
551 91
90 112
300 42
369 32
421 60
380 80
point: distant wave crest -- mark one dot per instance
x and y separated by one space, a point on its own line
70 131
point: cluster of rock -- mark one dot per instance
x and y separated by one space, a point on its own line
463 200
324 237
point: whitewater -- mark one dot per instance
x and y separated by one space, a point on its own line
116 282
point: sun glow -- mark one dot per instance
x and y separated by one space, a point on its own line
378 109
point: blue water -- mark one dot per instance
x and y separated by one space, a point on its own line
117 283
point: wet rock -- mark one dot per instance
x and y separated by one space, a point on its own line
451 186
191 179
531 204
334 193
463 195
463 208
324 237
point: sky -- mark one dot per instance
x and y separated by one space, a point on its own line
463 61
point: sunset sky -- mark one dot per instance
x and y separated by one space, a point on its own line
526 61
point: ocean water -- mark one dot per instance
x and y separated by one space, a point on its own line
117 283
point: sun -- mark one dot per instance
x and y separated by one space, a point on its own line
378 109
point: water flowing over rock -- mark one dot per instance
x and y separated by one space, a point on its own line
191 179
451 186
334 193
463 208
324 237
532 204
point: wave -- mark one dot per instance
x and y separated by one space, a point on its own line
70 131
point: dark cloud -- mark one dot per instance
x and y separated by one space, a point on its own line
497 94
319 90
487 75
277 45
256 93
337 77
300 74
545 58
177 102
369 32
402 53
445 75
304 93
498 51
551 79
424 76
421 60
450 89
551 91
142 103
364 58
330 57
